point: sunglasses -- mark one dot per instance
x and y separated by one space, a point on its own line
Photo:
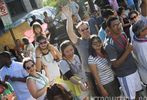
28 68
133 17
44 42
84 29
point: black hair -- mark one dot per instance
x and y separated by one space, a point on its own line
58 90
91 50
33 17
3 84
40 37
26 60
65 44
110 20
44 13
106 13
5 54
120 10
107 7
36 26
5 48
25 40
133 12
104 25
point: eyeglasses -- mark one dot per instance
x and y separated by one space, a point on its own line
28 68
133 17
84 29
44 42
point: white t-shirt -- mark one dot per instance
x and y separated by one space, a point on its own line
20 88
140 50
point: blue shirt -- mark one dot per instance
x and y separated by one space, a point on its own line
102 34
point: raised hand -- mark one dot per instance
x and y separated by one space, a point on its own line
66 11
129 47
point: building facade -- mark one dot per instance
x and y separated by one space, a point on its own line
11 10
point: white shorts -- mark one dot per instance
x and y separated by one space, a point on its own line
130 85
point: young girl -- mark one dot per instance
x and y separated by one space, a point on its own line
101 69
37 30
28 48
71 69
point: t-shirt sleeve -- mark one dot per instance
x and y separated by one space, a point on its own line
2 74
91 60
77 58
64 67
112 53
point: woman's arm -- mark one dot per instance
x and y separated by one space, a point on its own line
36 93
46 69
95 74
56 54
38 59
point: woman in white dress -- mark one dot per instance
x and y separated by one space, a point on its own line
37 83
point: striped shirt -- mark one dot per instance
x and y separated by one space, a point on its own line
103 67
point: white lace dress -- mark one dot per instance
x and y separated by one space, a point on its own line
41 82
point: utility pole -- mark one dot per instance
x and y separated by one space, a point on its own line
12 34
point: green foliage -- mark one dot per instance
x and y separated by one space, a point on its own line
54 3
51 3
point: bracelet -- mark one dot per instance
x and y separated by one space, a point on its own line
38 57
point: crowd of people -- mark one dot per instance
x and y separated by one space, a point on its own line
105 57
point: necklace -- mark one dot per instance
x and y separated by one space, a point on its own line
41 79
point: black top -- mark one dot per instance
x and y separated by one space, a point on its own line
37 20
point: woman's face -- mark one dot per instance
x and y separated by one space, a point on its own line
96 44
69 51
30 67
43 44
37 30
